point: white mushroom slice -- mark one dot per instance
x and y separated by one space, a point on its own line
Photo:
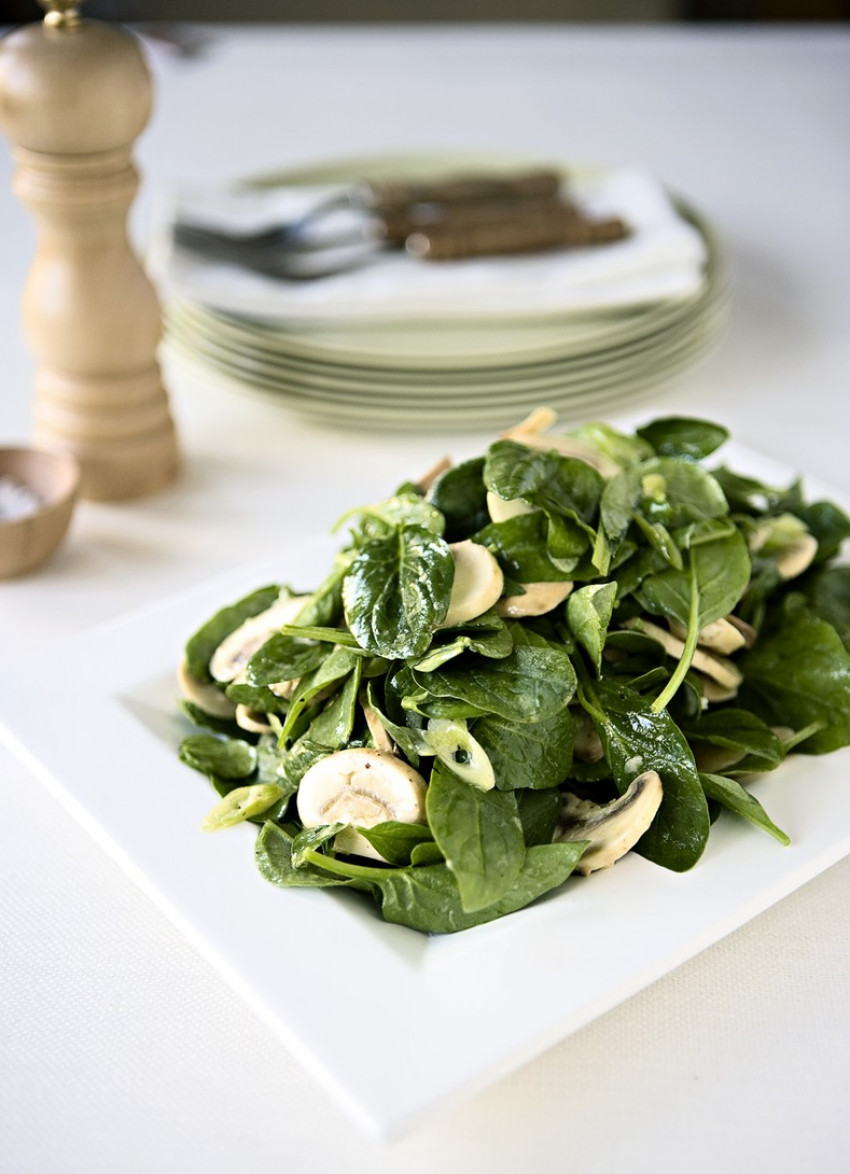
786 539
567 446
361 788
718 668
285 689
537 600
721 636
206 697
428 478
797 557
249 719
612 828
714 760
236 650
539 420
376 727
501 510
587 745
477 583
714 694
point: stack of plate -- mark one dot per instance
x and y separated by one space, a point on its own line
476 371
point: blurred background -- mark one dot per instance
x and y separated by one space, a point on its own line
448 11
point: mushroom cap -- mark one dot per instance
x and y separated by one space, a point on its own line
361 787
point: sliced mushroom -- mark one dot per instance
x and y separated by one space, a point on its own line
207 697
797 557
587 744
501 510
612 828
532 432
787 540
718 668
477 583
250 719
285 689
236 650
724 636
376 727
538 420
537 600
714 694
360 787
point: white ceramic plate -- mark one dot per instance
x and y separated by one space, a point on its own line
396 1025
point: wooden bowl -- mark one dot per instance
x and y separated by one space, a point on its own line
54 477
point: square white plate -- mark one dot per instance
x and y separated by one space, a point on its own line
395 1024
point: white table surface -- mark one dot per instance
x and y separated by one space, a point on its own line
120 1049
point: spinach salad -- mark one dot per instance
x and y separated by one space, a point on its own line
524 666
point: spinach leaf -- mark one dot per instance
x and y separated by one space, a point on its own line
258 698
719 571
529 685
677 436
622 449
559 485
404 511
539 812
493 642
334 725
636 739
205 641
733 796
335 668
324 609
426 853
397 592
479 834
740 730
519 545
408 738
589 612
309 839
528 754
798 674
273 857
665 489
282 658
427 898
828 593
461 497
229 758
830 526
295 763
395 841
219 725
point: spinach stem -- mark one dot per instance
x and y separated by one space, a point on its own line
331 864
681 671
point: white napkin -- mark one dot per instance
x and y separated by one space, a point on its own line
662 259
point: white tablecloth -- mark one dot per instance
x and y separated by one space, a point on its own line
120 1049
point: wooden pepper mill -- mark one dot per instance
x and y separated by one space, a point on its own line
74 95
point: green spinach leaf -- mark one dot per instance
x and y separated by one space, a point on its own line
798 674
397 592
229 758
205 641
479 834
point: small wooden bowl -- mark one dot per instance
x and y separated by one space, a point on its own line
54 477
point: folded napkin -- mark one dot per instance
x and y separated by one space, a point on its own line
662 259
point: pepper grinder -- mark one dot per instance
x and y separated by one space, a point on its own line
74 95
